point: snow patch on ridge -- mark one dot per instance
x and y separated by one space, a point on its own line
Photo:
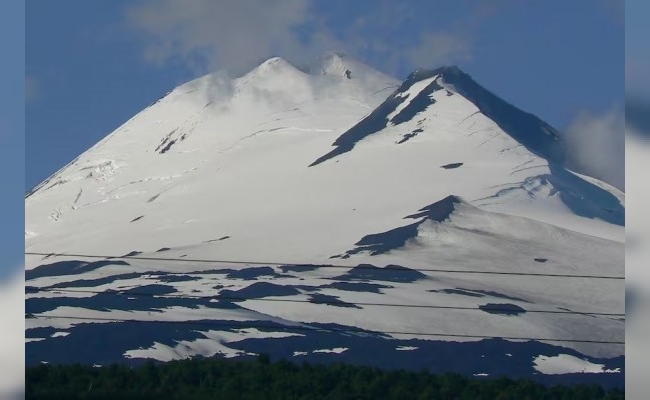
568 364
336 350
409 95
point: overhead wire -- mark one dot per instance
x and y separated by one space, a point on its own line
245 324
339 303
357 267
324 302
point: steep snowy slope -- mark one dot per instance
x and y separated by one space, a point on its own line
243 147
208 145
434 174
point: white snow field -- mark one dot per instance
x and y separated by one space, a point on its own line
346 195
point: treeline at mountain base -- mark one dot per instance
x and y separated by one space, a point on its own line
261 379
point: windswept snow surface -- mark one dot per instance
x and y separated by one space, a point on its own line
292 170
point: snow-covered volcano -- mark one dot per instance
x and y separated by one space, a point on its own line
292 170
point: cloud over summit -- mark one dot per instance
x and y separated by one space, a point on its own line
207 35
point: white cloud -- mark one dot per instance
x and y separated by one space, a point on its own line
439 48
206 34
12 332
596 143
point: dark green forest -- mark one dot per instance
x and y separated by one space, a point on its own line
262 379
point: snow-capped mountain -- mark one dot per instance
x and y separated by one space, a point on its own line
347 195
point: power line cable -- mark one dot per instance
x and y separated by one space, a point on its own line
306 328
324 302
357 267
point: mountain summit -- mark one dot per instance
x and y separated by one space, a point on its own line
430 193
415 95
337 64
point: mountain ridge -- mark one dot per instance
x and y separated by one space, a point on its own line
545 141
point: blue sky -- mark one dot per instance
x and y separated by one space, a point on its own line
637 56
92 65
12 135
